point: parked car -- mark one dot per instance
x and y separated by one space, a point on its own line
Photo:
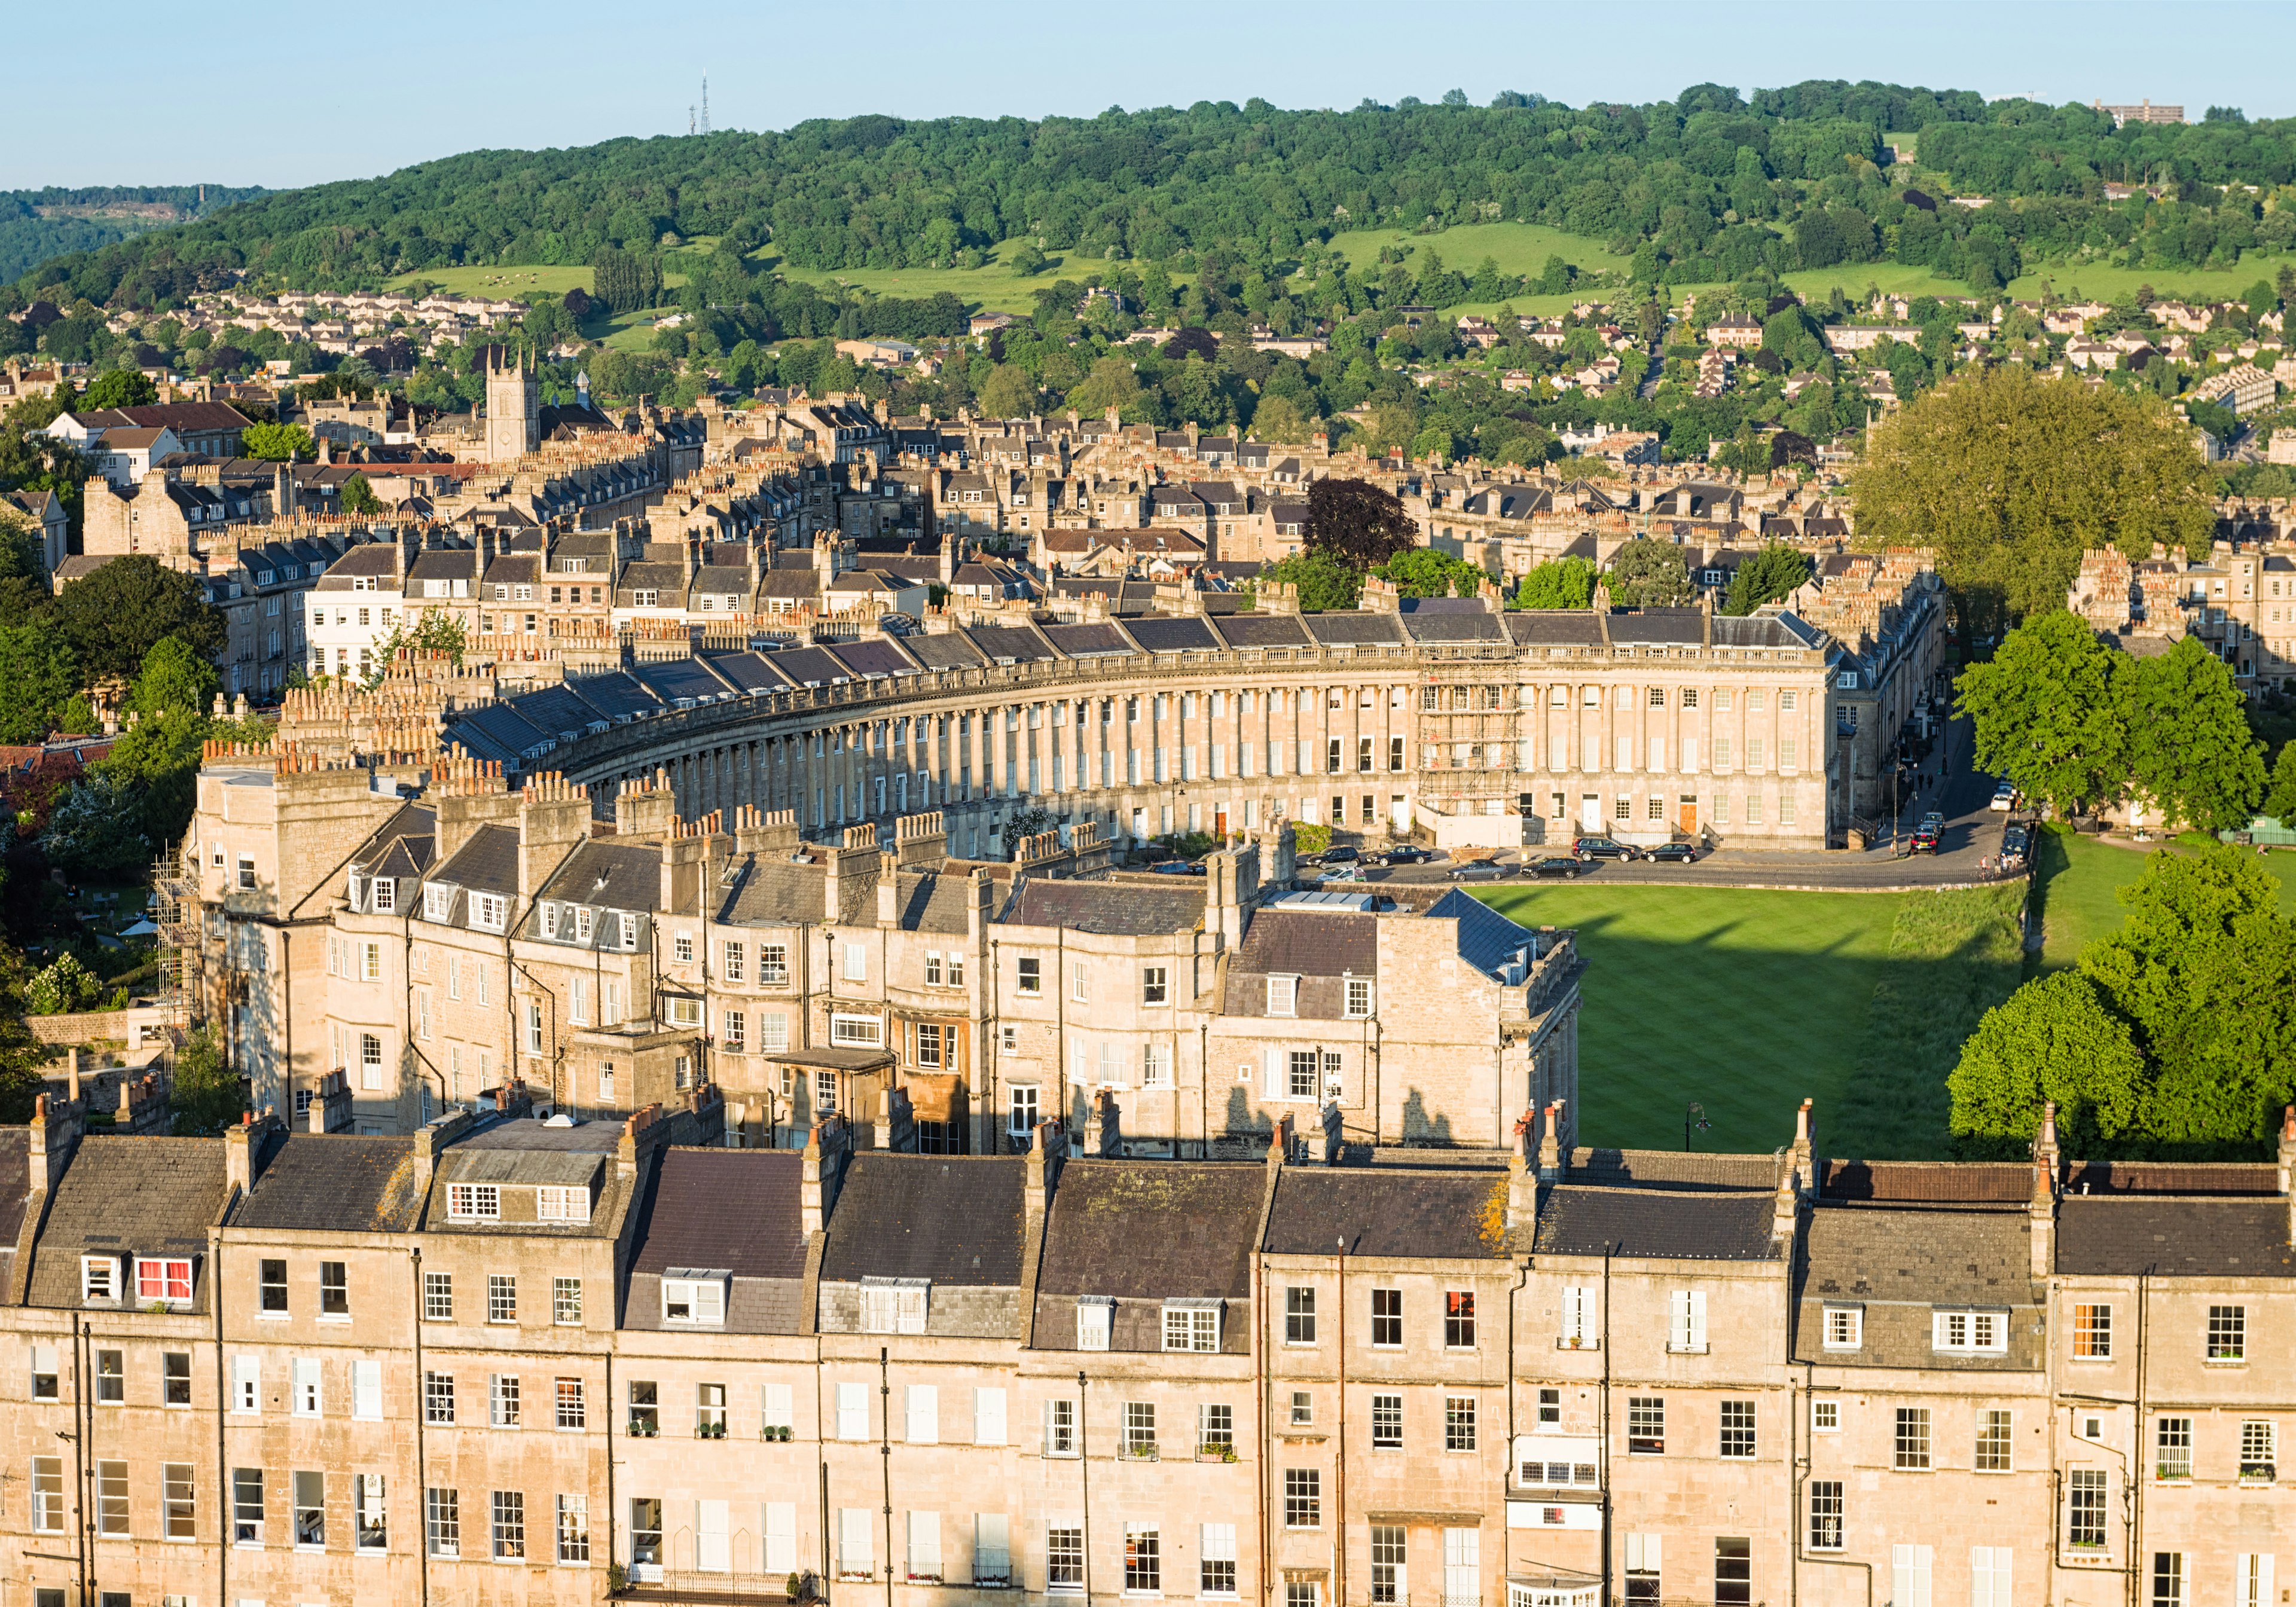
1925 840
1408 853
1604 848
2015 844
1340 854
1176 867
1559 865
1932 822
1344 872
1674 853
2005 798
1478 870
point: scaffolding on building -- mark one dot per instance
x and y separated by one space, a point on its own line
175 912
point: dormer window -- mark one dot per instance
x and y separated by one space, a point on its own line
490 912
167 1279
629 933
1979 1331
694 1298
584 923
99 1279
386 894
437 902
1193 1326
1284 996
549 920
1095 1315
556 1205
894 1305
474 1203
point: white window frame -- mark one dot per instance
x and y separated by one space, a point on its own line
1096 1322
1844 1328
694 1297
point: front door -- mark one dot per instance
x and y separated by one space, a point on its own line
1590 813
1686 818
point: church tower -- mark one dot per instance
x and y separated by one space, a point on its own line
514 407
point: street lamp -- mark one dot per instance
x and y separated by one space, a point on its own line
1695 1114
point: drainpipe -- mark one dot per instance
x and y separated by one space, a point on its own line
422 1410
1340 1446
885 1459
1083 1483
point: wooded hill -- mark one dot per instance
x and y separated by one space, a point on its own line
1711 186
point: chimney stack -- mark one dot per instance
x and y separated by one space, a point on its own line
2042 1209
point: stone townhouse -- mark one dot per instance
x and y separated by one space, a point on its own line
505 1358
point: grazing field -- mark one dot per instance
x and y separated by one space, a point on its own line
516 282
993 288
1747 1001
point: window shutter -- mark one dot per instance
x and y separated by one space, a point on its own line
247 1383
781 1536
1274 1073
924 1414
1574 1312
775 1401
1698 1319
367 1388
1677 1320
988 1417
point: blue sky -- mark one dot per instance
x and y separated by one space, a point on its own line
301 95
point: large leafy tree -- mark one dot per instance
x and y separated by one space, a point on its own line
39 676
207 1096
2279 798
1430 572
2011 476
1357 522
1565 582
1323 581
2046 712
2204 971
174 678
2053 1040
2189 747
113 616
1650 573
121 388
1770 574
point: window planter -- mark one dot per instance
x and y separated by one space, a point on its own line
710 1431
2257 1472
2177 1470
1143 1452
777 1433
642 1429
1215 1453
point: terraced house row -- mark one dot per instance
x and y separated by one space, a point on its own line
504 1359
427 932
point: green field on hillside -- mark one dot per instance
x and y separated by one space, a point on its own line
994 288
1747 1001
517 283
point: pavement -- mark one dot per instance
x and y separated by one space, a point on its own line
1971 837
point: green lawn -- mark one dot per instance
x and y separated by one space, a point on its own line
1689 993
2079 878
513 282
995 288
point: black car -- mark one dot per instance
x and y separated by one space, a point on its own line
1177 867
1478 870
1604 848
1925 840
1674 853
1559 865
1340 855
1406 854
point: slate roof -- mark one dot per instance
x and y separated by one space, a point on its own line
2123 1235
1672 625
1486 939
1902 1265
929 901
945 649
15 1182
1438 1215
1087 641
1574 1221
335 1183
732 1210
127 1195
615 695
609 874
1264 630
487 861
1913 1182
1314 943
954 1219
1126 909
809 666
1015 642
1668 1169
2169 1177
1554 628
1154 1229
1168 634
752 672
873 656
1354 629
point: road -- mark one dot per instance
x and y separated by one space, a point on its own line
1972 834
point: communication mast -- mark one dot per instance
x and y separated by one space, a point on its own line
705 103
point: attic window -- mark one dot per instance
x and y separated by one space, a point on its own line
1283 995
167 1279
437 902
894 1305
629 932
386 894
694 1297
557 1204
489 911
99 1278
474 1203
1845 1328
1095 1315
1191 1325
549 920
